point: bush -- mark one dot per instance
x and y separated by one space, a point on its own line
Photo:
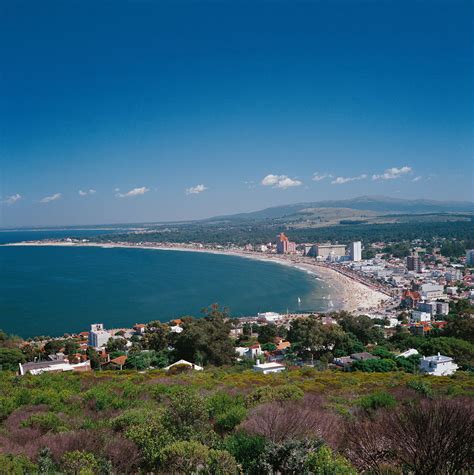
45 422
247 450
420 386
375 366
263 394
79 463
16 464
377 400
231 418
326 462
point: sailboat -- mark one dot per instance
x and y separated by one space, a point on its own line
299 301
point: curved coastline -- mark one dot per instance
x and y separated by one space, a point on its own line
345 293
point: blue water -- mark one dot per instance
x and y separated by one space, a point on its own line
54 290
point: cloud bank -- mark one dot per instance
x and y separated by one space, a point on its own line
134 192
280 181
195 190
48 199
392 173
341 180
12 199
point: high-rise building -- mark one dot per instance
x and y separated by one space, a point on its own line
355 251
284 245
414 263
98 337
470 257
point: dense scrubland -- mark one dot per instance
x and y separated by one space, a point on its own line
232 420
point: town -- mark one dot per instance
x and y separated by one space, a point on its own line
425 293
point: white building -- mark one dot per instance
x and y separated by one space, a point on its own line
56 366
432 291
98 337
176 329
418 316
250 352
408 353
268 368
270 317
185 363
355 251
438 365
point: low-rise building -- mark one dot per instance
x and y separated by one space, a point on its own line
438 365
418 316
56 366
268 368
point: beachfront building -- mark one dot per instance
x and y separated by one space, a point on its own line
355 251
98 337
438 365
56 366
269 368
330 251
284 245
269 317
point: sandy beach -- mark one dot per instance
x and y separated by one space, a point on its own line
345 293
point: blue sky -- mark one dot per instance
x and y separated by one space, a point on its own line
188 109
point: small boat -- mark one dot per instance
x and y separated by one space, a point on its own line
299 301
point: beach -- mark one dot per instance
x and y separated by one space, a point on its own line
345 292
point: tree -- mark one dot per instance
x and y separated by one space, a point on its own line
10 358
267 333
207 340
116 344
325 462
156 336
16 464
71 347
93 357
79 463
362 327
53 346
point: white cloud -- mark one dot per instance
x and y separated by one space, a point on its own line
87 192
280 181
12 199
318 177
134 192
417 178
392 173
195 190
48 199
340 180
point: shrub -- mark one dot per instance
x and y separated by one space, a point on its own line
231 418
263 394
247 450
184 457
45 422
16 464
326 462
420 386
377 400
79 463
375 366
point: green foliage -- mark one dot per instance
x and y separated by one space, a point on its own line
46 422
267 333
157 336
16 465
207 340
362 327
421 386
269 347
377 366
10 358
247 450
382 352
263 394
377 400
79 463
326 462
231 418
146 359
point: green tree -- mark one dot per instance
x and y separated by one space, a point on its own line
10 359
375 366
207 340
326 462
16 464
362 327
156 336
267 333
79 463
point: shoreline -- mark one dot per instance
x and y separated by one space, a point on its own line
346 293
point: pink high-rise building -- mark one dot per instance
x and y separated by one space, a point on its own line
284 245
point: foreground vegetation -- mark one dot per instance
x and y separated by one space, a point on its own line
232 420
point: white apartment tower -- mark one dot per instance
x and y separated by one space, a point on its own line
355 251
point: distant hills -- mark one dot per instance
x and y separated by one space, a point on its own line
376 205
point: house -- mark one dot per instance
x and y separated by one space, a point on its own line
186 363
57 366
408 353
418 316
410 298
250 352
438 365
117 363
176 329
363 356
268 368
139 328
283 345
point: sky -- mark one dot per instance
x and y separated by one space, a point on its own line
142 111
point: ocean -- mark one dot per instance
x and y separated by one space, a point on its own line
56 290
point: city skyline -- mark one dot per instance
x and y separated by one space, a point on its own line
162 112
